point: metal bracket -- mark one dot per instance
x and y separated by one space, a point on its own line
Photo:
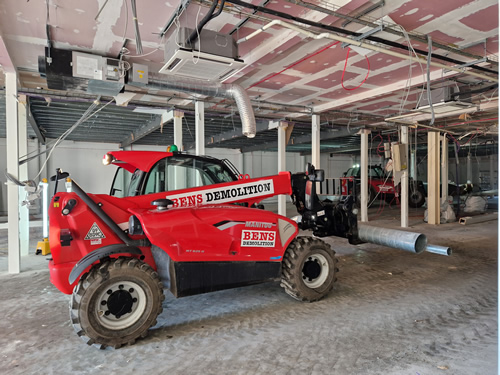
484 59
181 8
364 35
368 10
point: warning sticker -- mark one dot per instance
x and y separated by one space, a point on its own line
94 233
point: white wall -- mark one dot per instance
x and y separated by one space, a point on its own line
263 163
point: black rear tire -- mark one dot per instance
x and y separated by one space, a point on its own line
116 302
308 270
416 198
371 196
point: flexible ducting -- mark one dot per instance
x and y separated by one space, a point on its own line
216 89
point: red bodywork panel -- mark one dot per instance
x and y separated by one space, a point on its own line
218 233
186 232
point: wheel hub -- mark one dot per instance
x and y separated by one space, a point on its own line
120 305
315 271
312 269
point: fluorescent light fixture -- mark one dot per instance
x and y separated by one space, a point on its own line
445 107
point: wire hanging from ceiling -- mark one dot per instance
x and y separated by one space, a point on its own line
343 72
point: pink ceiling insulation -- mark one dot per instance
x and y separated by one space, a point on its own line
323 60
483 20
286 7
314 80
290 95
248 46
444 38
377 61
332 80
277 82
341 93
416 13
491 47
376 106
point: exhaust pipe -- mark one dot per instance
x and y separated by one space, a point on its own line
441 250
397 239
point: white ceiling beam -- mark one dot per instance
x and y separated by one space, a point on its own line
383 90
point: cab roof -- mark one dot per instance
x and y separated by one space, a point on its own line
142 160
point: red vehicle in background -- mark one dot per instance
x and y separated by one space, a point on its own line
381 186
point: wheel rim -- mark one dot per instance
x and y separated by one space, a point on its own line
315 271
121 305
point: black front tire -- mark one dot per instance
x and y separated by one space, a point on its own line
308 270
116 302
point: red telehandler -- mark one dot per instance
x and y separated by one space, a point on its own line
189 224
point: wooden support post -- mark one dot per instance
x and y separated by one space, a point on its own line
433 169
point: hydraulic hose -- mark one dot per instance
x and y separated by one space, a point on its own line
194 35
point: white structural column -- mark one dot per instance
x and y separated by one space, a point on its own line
178 115
14 257
413 165
315 142
444 168
24 225
433 168
180 173
404 179
282 163
364 174
200 127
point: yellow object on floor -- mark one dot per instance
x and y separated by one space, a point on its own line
42 247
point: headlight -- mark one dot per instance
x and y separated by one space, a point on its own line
108 159
134 226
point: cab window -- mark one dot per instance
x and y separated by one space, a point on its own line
126 184
175 173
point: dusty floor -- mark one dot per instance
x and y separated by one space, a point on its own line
391 312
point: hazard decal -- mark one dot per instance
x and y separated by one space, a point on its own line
95 233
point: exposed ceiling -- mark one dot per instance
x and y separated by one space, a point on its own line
288 73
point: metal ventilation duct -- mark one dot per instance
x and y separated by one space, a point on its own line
215 89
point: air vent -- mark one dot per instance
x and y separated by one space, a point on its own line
212 57
200 65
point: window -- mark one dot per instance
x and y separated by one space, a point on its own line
178 172
126 184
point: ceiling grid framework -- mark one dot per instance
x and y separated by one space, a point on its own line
309 82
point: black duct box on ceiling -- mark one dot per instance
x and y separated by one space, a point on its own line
59 73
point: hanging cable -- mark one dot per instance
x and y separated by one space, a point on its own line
209 16
343 72
138 43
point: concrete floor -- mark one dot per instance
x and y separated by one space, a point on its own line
391 312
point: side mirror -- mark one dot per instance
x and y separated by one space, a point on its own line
319 175
162 204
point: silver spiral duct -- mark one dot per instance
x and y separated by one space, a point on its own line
398 239
216 89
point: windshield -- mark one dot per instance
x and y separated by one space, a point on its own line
126 184
181 173
170 173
